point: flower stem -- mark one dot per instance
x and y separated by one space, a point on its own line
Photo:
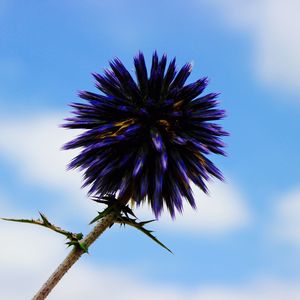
74 255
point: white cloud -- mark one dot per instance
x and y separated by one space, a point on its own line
116 284
223 210
33 146
285 223
29 255
274 27
26 251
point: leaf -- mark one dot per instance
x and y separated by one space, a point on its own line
112 202
72 243
139 226
79 236
37 222
83 246
102 214
123 212
73 238
127 210
146 222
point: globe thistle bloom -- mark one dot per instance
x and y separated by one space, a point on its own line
147 139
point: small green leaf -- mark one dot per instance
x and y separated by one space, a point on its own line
84 247
79 236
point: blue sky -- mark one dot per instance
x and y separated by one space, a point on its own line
244 240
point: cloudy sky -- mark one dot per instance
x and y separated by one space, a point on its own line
243 242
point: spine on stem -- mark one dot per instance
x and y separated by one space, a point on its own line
74 255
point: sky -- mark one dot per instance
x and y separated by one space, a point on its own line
243 242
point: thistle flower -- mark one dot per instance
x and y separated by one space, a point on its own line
145 140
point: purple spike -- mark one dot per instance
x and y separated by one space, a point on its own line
192 90
200 146
90 96
190 197
177 198
123 187
138 165
170 74
179 140
183 170
133 129
157 201
213 170
144 186
182 76
141 72
154 65
206 102
124 160
175 114
200 183
216 150
156 139
164 160
208 115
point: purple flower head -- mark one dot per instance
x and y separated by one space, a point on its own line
146 139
